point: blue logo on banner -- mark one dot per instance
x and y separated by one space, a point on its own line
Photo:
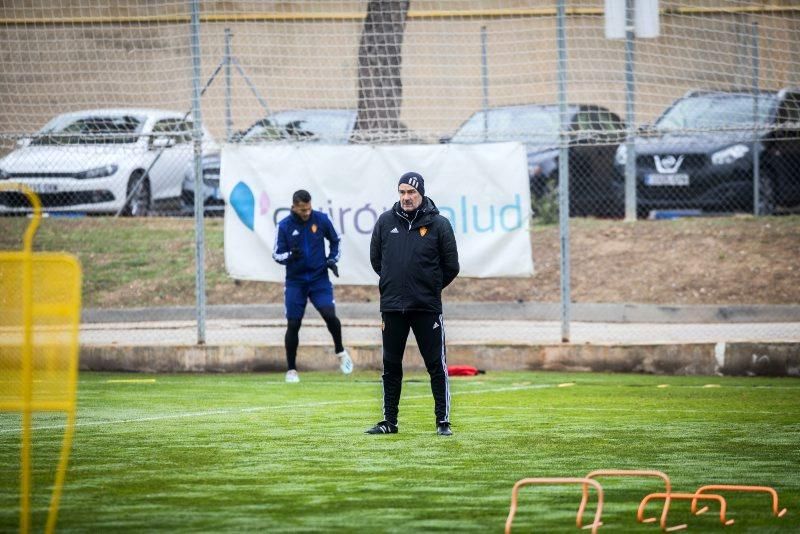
244 204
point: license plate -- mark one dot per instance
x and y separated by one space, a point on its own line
679 178
43 188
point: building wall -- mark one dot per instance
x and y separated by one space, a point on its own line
304 54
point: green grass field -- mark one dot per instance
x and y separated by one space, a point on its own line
248 452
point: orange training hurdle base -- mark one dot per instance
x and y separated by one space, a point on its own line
583 481
667 496
735 487
723 506
629 473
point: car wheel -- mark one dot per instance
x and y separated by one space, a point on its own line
139 202
187 201
766 193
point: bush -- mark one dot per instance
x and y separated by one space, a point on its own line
545 207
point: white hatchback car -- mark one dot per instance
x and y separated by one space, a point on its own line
104 161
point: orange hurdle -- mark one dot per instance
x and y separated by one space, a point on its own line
723 506
583 481
628 473
736 487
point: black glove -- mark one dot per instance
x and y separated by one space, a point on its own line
334 269
297 254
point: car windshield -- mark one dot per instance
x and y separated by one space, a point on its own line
529 125
90 130
330 126
263 130
716 112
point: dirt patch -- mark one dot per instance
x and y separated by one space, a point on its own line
721 261
716 261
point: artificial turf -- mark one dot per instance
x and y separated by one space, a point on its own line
249 452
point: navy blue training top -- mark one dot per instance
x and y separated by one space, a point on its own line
309 238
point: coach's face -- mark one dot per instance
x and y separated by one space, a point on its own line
302 210
410 199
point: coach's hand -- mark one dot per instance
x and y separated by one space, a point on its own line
334 269
296 254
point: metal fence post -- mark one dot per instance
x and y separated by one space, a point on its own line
485 83
563 170
199 221
630 146
228 87
756 155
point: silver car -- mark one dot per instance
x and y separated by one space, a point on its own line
332 126
213 203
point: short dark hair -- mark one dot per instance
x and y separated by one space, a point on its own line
301 195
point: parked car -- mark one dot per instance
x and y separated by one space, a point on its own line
594 135
262 130
329 126
213 203
323 125
92 161
698 155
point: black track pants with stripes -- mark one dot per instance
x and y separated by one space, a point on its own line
428 329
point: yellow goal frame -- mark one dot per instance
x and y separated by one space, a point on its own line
40 302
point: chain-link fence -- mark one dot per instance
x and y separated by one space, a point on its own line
702 118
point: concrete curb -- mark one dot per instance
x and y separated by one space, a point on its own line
111 350
734 359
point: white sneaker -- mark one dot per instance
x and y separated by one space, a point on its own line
292 376
345 363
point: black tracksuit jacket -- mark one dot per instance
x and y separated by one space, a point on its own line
415 259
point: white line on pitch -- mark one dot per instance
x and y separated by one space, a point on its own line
262 408
645 411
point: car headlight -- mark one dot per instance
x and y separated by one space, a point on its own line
729 155
621 157
99 172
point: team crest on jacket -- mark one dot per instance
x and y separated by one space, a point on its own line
314 228
423 230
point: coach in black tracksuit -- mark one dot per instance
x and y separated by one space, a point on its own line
414 252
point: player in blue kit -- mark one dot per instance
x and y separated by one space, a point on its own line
300 246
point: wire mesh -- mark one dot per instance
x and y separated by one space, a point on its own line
715 130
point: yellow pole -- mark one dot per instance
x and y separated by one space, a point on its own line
27 358
66 445
27 393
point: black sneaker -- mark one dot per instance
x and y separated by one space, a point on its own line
384 427
443 428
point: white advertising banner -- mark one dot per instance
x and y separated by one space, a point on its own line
482 189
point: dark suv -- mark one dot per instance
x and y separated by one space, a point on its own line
594 134
698 155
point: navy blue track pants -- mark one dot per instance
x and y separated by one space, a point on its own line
428 328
